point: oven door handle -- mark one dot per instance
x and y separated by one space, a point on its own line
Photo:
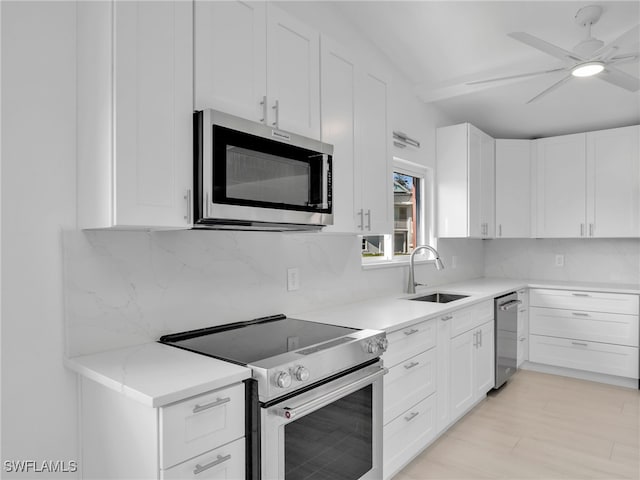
311 405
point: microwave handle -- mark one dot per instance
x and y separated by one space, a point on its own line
325 175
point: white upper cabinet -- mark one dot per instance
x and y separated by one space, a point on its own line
372 170
135 105
465 178
230 58
513 188
354 121
561 186
254 60
588 184
338 83
613 182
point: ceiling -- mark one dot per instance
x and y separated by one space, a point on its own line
440 45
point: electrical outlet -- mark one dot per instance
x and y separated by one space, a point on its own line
559 260
454 261
293 279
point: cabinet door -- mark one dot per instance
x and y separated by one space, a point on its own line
293 74
561 186
513 192
484 368
373 179
230 70
613 182
452 146
153 108
461 373
443 374
487 181
475 227
338 128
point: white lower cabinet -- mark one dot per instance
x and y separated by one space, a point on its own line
408 434
223 463
582 330
199 437
522 354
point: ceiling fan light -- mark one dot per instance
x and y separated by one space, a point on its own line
587 69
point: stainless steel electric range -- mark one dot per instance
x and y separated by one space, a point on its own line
314 404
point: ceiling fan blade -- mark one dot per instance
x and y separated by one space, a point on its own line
546 47
608 50
551 88
509 77
632 57
621 79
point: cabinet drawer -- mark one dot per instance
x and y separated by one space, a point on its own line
408 434
586 301
223 463
523 296
467 318
409 382
580 325
200 424
590 356
409 341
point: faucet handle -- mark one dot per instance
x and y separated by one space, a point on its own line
416 284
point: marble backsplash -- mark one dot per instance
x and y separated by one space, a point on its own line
585 260
127 287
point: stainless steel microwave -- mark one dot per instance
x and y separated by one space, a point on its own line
248 176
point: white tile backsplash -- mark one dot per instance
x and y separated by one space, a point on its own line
585 260
128 287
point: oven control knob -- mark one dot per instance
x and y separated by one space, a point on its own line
283 380
383 343
371 346
301 374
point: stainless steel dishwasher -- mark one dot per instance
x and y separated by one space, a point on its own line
506 328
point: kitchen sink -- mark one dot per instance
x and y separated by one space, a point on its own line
439 297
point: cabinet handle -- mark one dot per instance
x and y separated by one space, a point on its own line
187 197
580 344
522 310
411 332
522 339
580 314
580 294
263 104
411 365
368 215
480 335
591 229
500 230
411 416
582 229
217 402
448 317
399 144
361 213
475 339
201 468
276 107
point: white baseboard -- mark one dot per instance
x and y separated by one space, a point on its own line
581 374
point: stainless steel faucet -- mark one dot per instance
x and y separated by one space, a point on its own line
411 288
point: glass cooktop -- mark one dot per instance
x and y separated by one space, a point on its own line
249 342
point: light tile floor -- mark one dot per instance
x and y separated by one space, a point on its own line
540 426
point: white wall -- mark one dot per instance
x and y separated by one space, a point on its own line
38 198
585 260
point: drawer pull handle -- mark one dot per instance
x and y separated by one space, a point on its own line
580 344
448 317
580 294
201 468
580 314
411 416
411 365
522 339
216 403
411 332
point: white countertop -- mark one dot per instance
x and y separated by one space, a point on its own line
395 312
156 374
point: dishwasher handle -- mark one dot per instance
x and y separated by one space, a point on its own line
509 305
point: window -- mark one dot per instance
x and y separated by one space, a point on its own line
412 215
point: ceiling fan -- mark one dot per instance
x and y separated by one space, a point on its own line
588 58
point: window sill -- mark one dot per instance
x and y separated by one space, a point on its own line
401 262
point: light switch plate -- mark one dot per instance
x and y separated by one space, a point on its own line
559 260
293 279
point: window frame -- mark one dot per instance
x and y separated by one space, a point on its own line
426 220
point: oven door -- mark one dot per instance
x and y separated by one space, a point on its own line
332 432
